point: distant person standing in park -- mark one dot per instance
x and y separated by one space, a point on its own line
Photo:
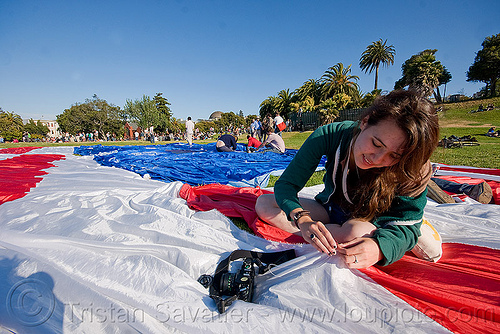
253 128
267 123
189 131
256 128
151 134
259 129
279 124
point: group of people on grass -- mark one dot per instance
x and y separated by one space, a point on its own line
269 131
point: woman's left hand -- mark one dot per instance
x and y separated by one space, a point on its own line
360 252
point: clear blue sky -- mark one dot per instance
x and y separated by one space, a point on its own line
218 55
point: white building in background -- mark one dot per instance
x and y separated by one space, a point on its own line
53 126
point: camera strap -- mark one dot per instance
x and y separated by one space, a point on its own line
263 260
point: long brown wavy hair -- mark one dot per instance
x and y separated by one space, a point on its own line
417 117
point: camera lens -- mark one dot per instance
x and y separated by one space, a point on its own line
228 285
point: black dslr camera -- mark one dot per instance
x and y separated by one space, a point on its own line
225 287
240 283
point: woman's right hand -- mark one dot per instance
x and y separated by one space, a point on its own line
316 233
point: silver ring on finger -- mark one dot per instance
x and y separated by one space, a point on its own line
312 236
355 259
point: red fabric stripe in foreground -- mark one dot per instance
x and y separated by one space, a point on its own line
235 202
461 291
20 174
17 150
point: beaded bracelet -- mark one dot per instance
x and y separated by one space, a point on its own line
298 215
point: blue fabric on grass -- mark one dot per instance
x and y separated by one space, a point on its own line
195 165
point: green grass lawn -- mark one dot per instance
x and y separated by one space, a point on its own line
457 119
459 114
487 154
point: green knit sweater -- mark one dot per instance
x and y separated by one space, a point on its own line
397 229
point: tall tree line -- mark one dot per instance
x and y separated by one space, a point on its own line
96 114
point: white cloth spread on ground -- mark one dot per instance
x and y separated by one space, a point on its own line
100 249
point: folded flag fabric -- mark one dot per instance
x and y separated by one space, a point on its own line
193 164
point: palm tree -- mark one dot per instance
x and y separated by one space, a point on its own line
328 109
421 72
375 54
268 106
337 80
283 101
11 125
310 88
444 78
